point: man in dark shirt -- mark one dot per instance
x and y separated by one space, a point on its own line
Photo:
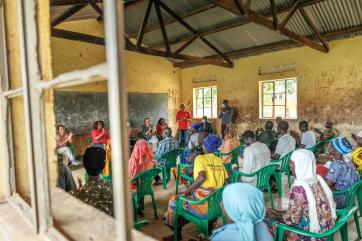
96 192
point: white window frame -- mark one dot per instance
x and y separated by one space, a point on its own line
214 115
261 95
39 212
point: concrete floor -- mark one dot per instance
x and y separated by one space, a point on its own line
157 230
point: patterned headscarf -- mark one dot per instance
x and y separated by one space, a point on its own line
212 143
141 158
341 145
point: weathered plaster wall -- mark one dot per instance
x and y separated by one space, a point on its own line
328 84
144 73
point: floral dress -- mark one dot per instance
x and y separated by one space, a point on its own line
297 214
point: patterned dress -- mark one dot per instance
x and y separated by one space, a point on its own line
98 194
297 214
343 175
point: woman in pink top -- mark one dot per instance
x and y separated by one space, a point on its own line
100 134
62 139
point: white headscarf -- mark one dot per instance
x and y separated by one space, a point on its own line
305 171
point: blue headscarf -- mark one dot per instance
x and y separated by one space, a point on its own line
341 145
244 204
212 143
197 126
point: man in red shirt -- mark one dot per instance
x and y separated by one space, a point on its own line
183 119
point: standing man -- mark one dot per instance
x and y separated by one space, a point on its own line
183 118
226 116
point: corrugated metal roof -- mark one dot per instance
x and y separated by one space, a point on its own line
328 16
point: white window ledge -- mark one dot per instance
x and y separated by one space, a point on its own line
74 219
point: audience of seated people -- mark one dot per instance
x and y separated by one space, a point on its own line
147 129
286 143
256 156
62 140
209 174
307 138
100 134
311 205
230 142
268 135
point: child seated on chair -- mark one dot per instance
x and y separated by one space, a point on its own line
209 174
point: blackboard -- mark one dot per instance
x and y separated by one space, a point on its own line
152 105
78 110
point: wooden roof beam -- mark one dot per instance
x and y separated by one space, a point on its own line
262 20
67 14
275 46
222 27
70 35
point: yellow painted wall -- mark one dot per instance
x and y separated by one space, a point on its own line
328 84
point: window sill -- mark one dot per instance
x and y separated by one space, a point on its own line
80 221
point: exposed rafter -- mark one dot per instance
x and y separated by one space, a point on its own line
262 20
67 14
192 30
65 34
163 29
172 20
141 31
329 36
222 27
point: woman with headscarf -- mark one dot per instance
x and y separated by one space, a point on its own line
311 205
141 159
342 173
243 205
231 141
209 174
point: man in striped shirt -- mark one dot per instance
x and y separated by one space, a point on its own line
256 156
166 145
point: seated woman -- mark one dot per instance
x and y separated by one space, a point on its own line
62 139
161 125
100 134
311 205
357 153
147 129
243 205
193 140
231 142
141 159
209 174
341 173
195 152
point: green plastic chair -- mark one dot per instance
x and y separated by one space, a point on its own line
344 217
202 224
234 157
262 179
143 183
171 158
139 224
284 168
184 176
314 148
351 193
